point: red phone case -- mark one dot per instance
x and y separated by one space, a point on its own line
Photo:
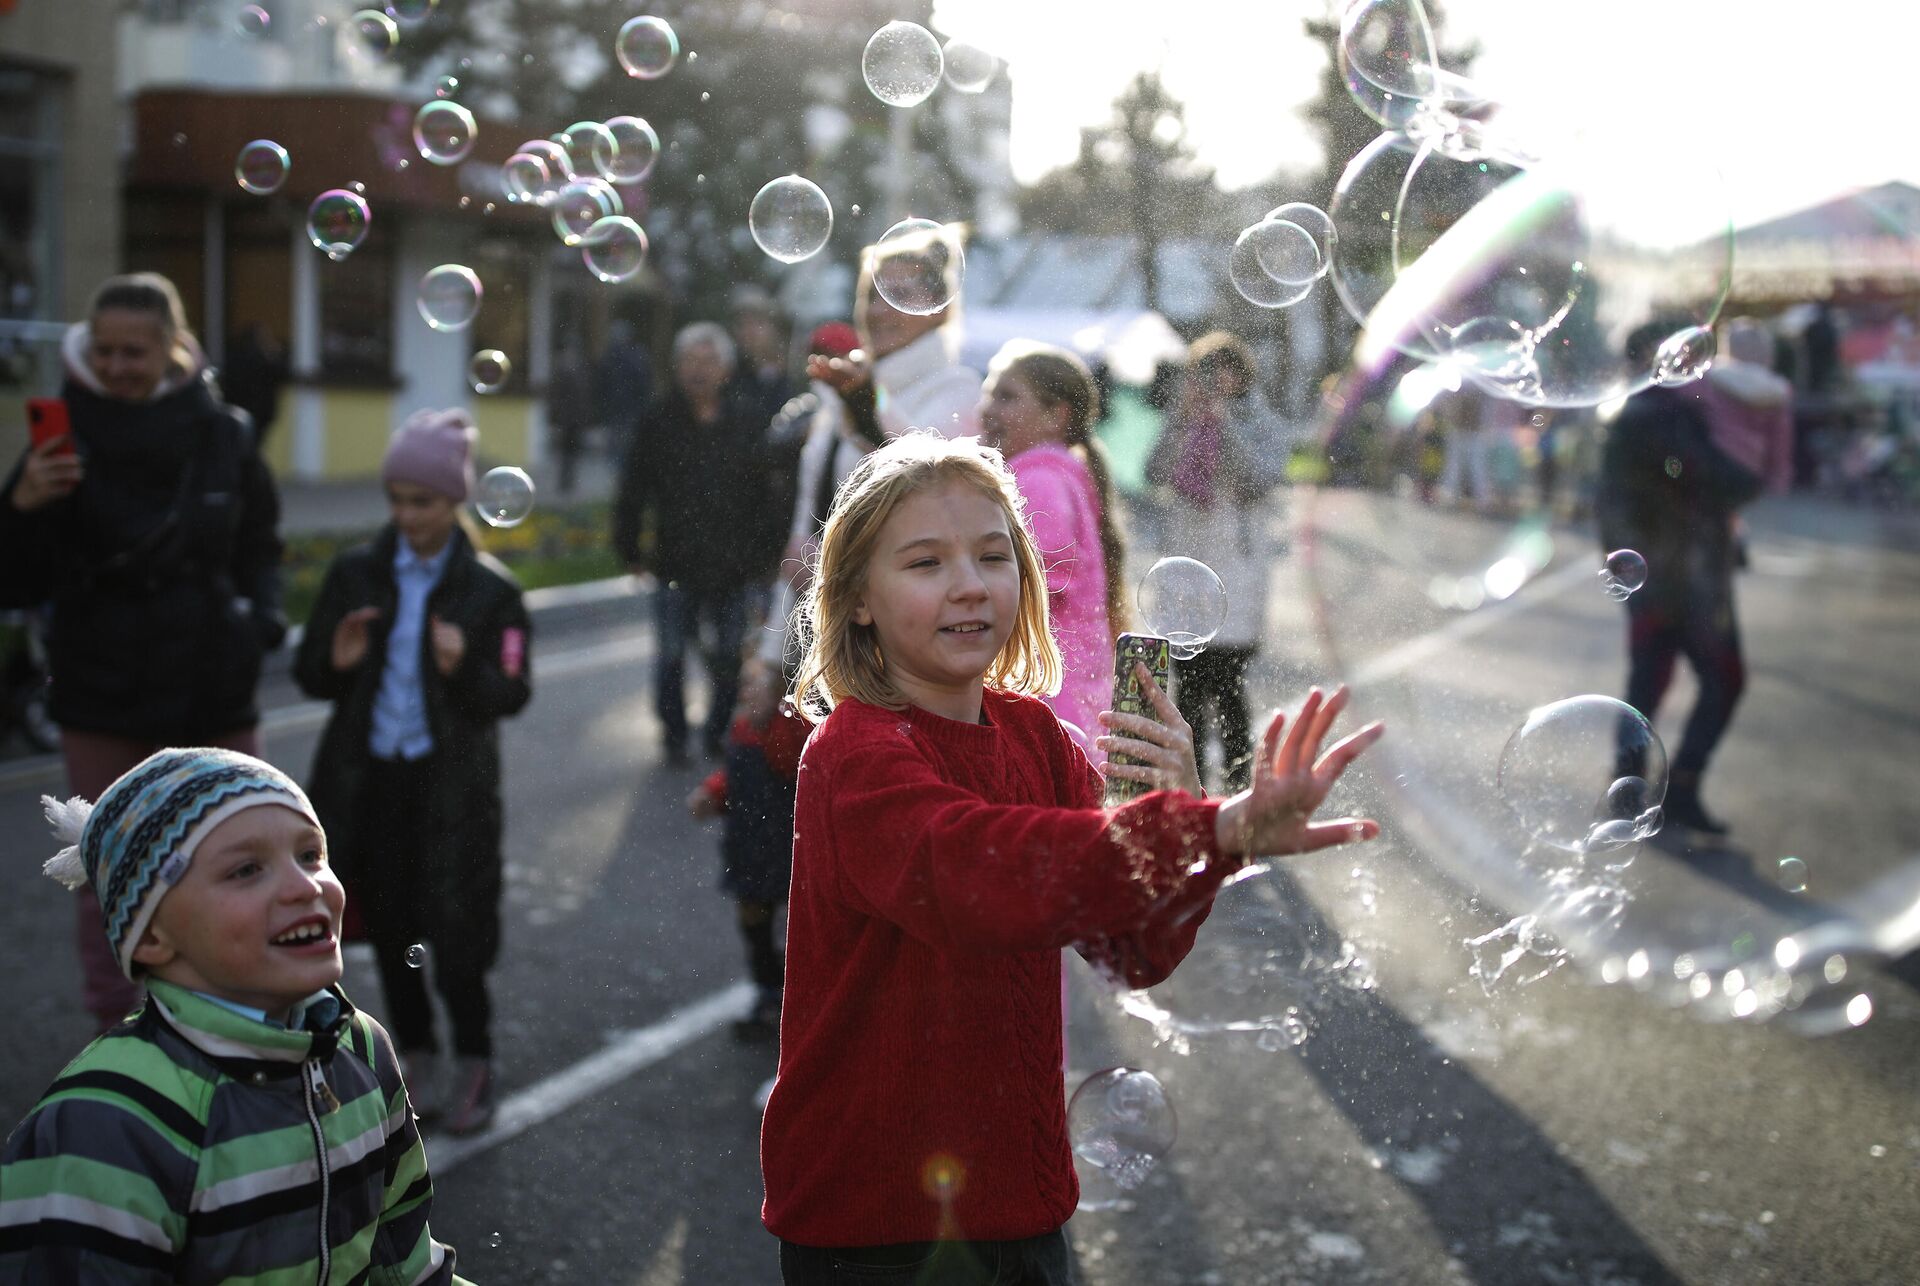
47 420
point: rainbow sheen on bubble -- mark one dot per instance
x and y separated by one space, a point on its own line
489 371
1182 600
337 222
579 205
647 47
444 132
614 248
635 149
262 167
449 296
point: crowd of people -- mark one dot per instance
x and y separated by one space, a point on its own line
905 573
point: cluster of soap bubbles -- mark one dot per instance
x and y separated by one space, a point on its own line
1521 249
1122 1123
1275 262
904 63
576 176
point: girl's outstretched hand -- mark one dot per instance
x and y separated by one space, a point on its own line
1291 776
1163 746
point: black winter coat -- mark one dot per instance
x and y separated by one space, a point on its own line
701 492
1668 493
493 680
163 567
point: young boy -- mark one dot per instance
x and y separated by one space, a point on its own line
246 1124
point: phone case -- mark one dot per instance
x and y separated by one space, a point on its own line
1128 697
46 420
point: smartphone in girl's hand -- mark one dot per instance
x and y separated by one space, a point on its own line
1129 697
47 421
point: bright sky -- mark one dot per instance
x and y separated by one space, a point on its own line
1794 100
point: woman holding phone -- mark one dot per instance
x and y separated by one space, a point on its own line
150 526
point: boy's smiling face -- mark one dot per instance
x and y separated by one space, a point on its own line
941 592
256 917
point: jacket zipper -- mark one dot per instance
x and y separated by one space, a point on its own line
318 1091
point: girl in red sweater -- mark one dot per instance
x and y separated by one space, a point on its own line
947 843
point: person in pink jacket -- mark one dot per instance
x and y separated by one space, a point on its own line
1039 410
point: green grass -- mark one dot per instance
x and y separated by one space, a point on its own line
555 546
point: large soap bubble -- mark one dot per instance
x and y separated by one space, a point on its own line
790 218
918 266
1122 1122
1183 601
1575 768
902 64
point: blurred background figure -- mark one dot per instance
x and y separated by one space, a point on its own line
691 510
622 385
760 333
571 405
255 371
1749 408
152 529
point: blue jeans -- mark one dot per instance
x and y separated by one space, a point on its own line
1036 1261
678 614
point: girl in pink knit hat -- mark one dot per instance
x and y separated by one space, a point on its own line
422 643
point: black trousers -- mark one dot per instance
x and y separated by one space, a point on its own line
1035 1261
1216 680
1702 629
397 903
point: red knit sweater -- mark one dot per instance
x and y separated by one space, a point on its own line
938 868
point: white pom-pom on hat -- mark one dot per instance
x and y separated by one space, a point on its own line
68 820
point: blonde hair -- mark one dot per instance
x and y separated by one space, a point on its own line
842 658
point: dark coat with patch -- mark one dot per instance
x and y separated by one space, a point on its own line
462 862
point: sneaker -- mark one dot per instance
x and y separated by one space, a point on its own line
473 1105
421 1069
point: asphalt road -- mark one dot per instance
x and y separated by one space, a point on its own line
1426 1129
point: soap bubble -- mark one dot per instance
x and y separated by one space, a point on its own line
1792 874
410 13
1183 601
261 167
918 266
1287 252
1559 768
1683 356
337 222
1121 1122
443 132
614 248
252 20
635 148
416 956
580 204
1314 222
590 148
1625 572
790 218
1255 284
449 296
489 371
902 63
647 47
525 177
504 497
494 1240
553 163
371 35
968 68
446 87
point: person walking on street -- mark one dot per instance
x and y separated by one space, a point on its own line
151 527
423 645
691 510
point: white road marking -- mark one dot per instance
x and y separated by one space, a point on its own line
626 1055
1461 628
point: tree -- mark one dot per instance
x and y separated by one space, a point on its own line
1136 176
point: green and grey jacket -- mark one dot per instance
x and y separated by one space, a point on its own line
186 1145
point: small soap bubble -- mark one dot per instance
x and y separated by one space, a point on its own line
579 205
494 1240
902 64
261 167
590 147
1121 1122
1559 770
1683 357
635 148
524 176
504 496
1287 252
446 87
416 956
614 248
410 13
1792 875
790 218
489 370
967 67
647 47
252 20
449 296
1625 572
444 132
372 35
357 187
918 266
1183 601
337 222
1253 282
1315 222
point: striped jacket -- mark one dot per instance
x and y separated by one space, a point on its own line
184 1146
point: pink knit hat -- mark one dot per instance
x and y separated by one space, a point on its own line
434 449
